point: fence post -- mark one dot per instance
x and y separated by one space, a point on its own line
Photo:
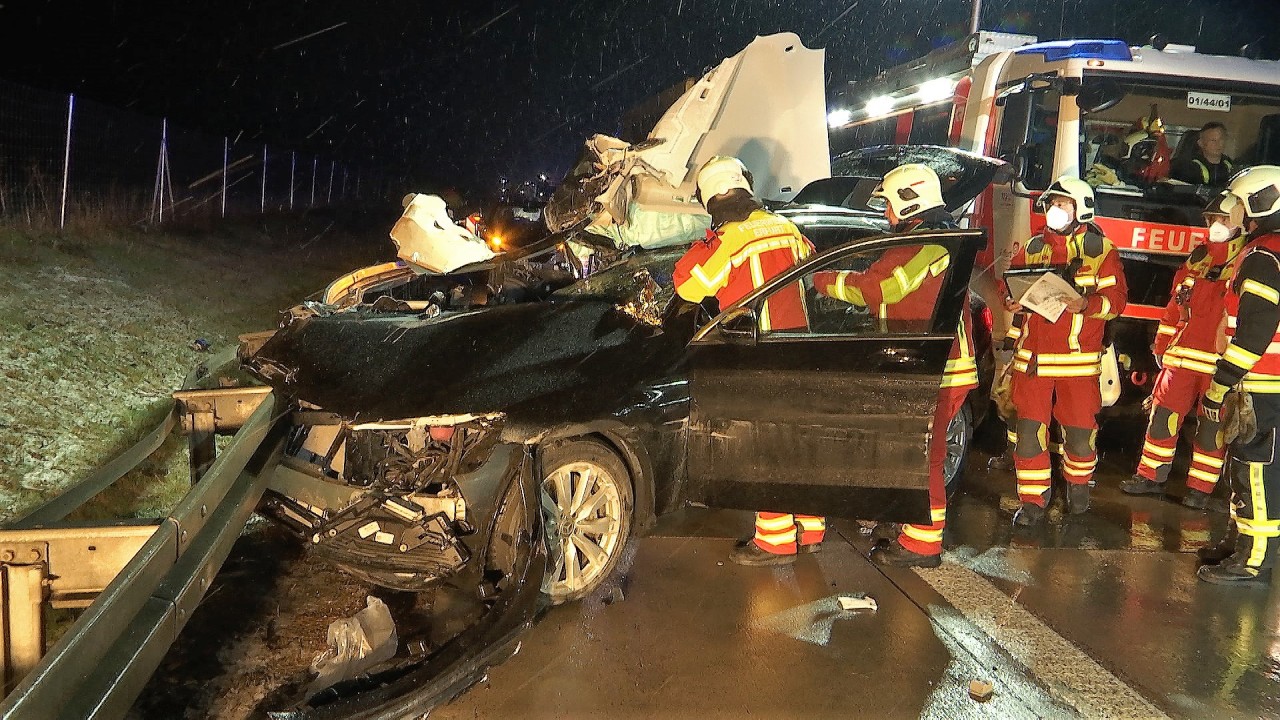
262 204
225 150
343 195
66 162
293 166
315 163
332 165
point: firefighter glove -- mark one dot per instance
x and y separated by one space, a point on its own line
1211 403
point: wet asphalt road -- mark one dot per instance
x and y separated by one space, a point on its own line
1089 616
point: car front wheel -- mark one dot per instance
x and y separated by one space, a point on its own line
959 435
586 500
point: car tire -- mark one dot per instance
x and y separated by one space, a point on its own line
587 504
959 437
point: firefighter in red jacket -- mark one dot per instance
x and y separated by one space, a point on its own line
746 246
1187 345
903 285
1056 364
1251 361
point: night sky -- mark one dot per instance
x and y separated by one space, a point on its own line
460 92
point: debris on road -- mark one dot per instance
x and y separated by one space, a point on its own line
981 690
356 644
858 601
200 345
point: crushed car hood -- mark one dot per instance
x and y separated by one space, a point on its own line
552 360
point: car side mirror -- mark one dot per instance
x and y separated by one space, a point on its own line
740 324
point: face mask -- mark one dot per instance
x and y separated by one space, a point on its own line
1057 218
1219 232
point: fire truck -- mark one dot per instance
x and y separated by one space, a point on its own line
1080 108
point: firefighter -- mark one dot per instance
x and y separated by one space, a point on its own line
1208 165
1057 363
745 247
1252 361
1187 346
903 285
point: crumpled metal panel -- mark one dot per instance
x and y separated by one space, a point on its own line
557 361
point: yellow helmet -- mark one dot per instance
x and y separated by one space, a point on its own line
1070 187
1258 188
721 174
910 190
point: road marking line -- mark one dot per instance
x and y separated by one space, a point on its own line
1069 673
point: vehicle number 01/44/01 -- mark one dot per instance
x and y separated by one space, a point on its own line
1209 101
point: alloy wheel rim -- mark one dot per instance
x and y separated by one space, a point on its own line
955 446
582 514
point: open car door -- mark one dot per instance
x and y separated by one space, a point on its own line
832 418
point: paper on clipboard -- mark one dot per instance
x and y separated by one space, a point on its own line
1046 295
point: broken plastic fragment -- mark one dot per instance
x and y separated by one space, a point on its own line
356 644
857 601
981 690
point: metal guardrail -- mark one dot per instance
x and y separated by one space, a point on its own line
99 666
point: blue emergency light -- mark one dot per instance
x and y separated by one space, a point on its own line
1083 49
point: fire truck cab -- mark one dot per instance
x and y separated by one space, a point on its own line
1084 108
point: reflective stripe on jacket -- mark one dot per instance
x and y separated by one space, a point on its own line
1252 355
1072 346
740 258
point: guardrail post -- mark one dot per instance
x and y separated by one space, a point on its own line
23 592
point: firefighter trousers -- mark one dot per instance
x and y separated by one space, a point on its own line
1174 398
927 539
778 533
1074 402
1255 486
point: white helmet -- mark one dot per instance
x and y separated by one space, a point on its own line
1227 204
1258 187
721 174
910 190
1074 188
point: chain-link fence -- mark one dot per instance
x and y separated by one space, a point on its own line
65 160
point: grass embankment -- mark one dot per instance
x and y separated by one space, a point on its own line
96 329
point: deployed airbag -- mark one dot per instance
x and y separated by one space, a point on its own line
426 238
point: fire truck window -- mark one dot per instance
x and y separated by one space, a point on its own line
1140 154
931 125
880 293
1037 145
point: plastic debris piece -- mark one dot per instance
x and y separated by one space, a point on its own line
200 345
981 690
614 595
356 644
858 601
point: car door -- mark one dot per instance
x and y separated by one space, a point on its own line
832 418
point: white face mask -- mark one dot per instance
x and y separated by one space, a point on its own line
1057 218
1219 232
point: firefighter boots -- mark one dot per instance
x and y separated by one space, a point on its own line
897 556
885 532
1196 499
1138 485
751 555
1029 514
1234 571
1077 498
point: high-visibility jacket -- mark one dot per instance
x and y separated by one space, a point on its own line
739 257
1190 332
1072 346
903 285
1253 314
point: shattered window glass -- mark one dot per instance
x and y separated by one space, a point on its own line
621 282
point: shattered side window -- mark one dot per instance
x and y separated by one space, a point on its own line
882 292
624 280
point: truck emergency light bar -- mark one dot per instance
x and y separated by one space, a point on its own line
1055 50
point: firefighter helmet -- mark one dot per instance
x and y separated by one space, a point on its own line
1258 188
1070 187
910 190
1227 205
721 174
